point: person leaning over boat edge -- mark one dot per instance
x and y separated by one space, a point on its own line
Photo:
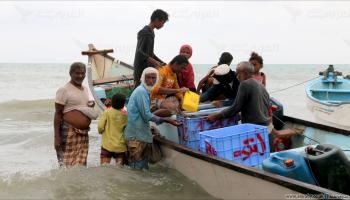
207 81
167 94
252 99
225 85
137 133
73 114
144 55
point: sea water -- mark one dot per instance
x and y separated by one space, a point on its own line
28 165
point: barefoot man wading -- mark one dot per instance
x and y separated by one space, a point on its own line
73 114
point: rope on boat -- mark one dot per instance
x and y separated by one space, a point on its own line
294 85
302 134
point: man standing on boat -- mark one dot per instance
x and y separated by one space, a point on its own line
73 114
252 99
144 55
137 133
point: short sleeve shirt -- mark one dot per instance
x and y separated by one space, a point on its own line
72 97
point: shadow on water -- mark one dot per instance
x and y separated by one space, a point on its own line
106 182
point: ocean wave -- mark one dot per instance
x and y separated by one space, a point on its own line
30 110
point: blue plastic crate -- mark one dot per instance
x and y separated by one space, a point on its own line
247 144
191 126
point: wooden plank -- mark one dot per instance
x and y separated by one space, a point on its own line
112 79
92 52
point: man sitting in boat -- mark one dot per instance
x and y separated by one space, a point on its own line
167 94
137 133
225 85
73 114
252 99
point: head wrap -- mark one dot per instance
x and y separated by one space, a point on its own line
222 74
149 70
186 46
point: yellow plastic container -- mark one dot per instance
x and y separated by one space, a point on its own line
190 102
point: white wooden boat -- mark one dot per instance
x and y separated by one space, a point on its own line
220 178
329 98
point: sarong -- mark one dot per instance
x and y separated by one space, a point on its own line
138 153
171 103
74 146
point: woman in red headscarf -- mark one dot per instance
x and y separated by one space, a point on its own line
186 77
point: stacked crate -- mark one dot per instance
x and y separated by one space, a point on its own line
191 126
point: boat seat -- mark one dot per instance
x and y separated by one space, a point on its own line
331 90
113 79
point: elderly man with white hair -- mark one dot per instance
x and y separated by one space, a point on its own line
252 99
137 133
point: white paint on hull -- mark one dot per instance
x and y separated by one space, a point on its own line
336 116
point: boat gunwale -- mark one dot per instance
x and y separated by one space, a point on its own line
316 125
326 103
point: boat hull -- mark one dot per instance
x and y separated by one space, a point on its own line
333 115
329 100
221 182
226 180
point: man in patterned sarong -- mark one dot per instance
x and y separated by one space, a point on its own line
73 114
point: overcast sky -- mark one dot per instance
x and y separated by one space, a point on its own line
305 32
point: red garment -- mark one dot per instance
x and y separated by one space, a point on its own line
186 77
281 144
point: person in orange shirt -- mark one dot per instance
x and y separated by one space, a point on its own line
167 95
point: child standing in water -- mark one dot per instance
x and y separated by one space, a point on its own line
111 126
186 77
257 61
